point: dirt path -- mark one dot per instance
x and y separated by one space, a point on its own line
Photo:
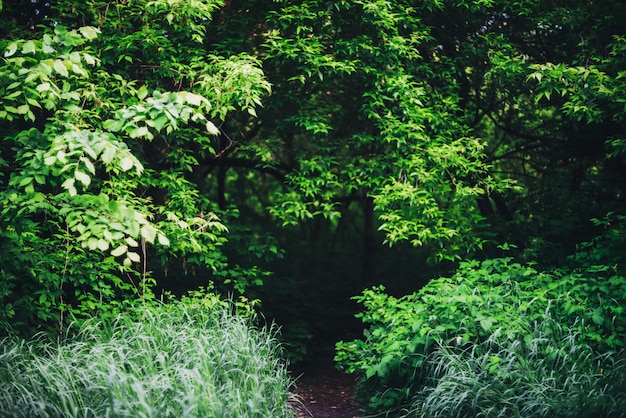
324 392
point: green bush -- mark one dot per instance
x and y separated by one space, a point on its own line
192 358
497 295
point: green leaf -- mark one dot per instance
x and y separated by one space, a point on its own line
148 232
89 32
25 181
82 177
10 50
126 163
122 249
108 154
142 92
598 317
212 129
163 240
60 68
134 257
28 47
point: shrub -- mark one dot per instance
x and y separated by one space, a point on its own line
192 358
466 309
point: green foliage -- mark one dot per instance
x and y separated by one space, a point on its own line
190 358
97 192
370 124
495 296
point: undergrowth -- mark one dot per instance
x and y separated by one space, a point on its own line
187 359
548 373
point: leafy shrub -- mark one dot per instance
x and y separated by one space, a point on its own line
192 358
497 294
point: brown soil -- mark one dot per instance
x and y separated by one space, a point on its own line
322 391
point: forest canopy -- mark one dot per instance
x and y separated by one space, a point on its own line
297 152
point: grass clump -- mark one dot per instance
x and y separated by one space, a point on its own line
187 359
547 373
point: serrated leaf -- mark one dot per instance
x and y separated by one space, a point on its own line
119 250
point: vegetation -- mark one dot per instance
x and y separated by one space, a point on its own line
522 337
191 358
460 160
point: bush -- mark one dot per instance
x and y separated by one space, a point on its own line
497 295
192 358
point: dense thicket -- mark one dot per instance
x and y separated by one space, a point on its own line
169 144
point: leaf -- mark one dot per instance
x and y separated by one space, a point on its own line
160 122
163 240
25 181
132 242
148 232
89 32
43 87
139 132
212 129
597 316
113 125
142 92
28 47
193 99
108 154
134 257
67 184
82 177
119 250
103 245
486 323
10 50
89 166
60 68
126 163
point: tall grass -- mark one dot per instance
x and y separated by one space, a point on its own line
545 373
185 360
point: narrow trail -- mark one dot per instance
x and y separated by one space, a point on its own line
324 391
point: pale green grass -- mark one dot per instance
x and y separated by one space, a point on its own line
546 373
185 360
